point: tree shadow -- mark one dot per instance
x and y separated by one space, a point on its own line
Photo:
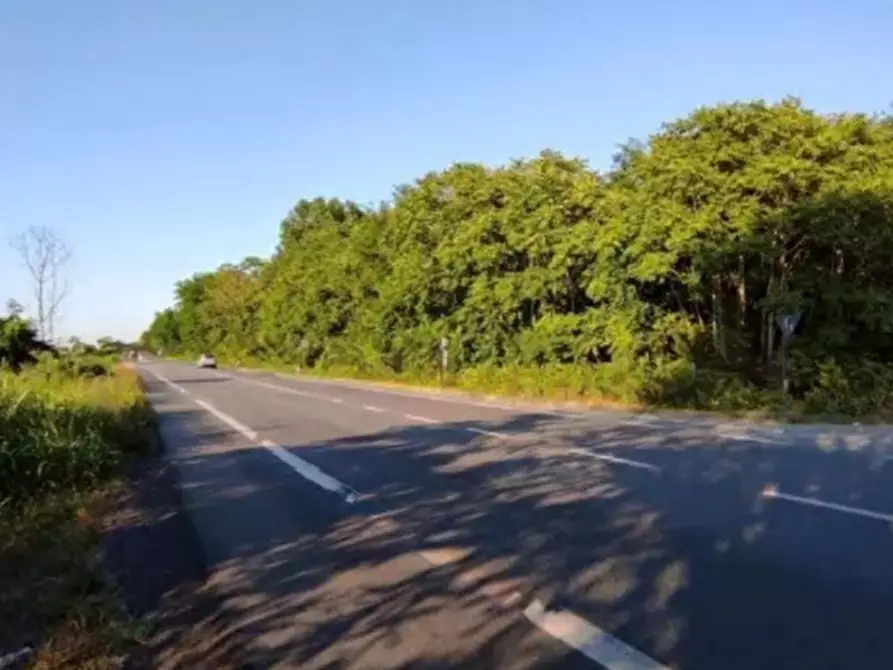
456 533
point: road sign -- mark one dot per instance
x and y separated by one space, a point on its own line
788 322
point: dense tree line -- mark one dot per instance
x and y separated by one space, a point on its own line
658 280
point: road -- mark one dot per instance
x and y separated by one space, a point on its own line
354 526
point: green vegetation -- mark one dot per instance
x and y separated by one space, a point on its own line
67 424
657 282
19 344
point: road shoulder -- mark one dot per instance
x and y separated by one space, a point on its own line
151 549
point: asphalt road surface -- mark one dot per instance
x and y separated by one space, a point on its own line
354 526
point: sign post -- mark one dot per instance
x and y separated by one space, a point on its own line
444 358
787 323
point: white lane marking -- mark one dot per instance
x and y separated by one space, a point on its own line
310 472
227 419
773 493
589 639
423 419
418 396
744 437
160 377
614 459
276 387
284 389
640 420
373 408
299 465
489 433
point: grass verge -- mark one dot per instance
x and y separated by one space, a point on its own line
602 388
64 440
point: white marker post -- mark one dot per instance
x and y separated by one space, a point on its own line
444 358
787 323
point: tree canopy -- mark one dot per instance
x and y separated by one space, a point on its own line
19 344
667 271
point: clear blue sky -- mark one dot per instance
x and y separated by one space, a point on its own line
165 137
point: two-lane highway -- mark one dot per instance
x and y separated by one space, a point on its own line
353 526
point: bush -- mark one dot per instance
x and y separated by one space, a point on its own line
605 382
72 366
62 432
850 386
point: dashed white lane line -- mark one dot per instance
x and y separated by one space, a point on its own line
307 470
563 625
422 419
590 640
227 419
488 433
772 493
310 472
416 396
167 381
411 417
276 387
614 459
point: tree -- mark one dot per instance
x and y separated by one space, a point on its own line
46 257
19 343
14 307
678 259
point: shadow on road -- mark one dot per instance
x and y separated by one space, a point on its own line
688 564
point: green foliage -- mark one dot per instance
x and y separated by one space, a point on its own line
658 281
60 431
19 343
851 386
68 365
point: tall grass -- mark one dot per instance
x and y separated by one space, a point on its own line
62 431
66 428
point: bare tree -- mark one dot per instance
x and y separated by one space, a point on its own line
46 256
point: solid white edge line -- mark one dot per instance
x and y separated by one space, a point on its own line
423 419
588 639
774 494
614 459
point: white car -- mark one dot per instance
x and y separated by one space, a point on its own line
207 361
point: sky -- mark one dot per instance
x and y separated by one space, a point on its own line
160 138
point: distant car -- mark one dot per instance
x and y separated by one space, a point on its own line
207 361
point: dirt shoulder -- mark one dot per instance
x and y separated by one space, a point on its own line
150 547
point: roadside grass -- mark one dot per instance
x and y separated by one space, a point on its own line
601 387
64 440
